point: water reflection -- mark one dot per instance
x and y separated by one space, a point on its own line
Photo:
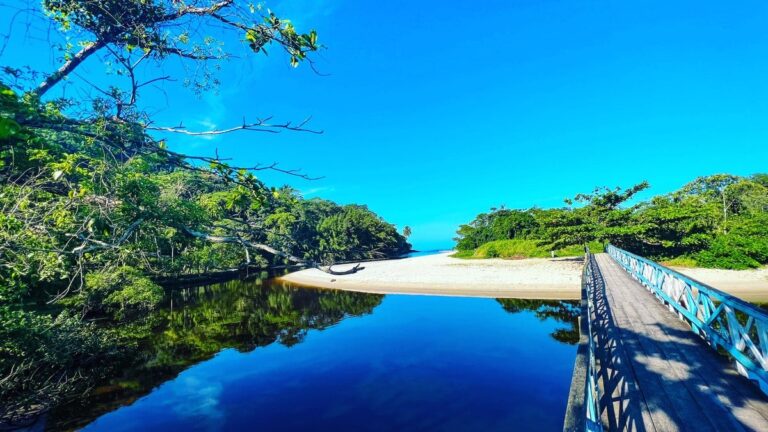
417 363
563 311
197 323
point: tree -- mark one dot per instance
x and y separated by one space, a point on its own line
96 211
600 217
499 224
134 31
761 179
671 226
716 221
101 168
407 231
717 187
357 233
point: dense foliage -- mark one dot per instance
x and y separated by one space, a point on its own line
89 223
96 209
714 221
80 208
524 248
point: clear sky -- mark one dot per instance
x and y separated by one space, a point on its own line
435 111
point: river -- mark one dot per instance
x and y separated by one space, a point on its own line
261 355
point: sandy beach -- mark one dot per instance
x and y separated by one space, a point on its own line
440 274
536 278
749 285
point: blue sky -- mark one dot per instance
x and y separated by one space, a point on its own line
433 112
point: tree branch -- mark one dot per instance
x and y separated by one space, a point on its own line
238 240
261 125
193 10
70 65
102 245
269 249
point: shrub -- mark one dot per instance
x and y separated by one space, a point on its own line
491 250
730 252
464 254
681 262
119 292
526 249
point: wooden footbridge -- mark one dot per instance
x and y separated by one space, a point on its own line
662 352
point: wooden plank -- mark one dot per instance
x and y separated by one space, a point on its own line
623 405
663 407
682 347
684 384
664 374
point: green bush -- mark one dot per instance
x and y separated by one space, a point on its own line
525 249
466 254
491 250
731 252
576 250
510 249
682 261
119 292
744 246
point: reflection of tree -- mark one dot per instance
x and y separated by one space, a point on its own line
198 323
564 311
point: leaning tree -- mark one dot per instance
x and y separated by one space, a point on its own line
88 187
136 38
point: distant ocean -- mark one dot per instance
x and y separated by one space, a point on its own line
426 252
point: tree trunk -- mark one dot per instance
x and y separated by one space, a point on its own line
246 244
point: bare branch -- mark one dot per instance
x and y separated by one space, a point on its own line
261 125
80 250
269 249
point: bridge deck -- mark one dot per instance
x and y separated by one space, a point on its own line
656 374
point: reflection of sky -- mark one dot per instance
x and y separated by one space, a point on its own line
196 399
416 363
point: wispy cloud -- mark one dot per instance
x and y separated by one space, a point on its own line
208 124
316 190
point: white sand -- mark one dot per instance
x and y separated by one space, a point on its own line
536 278
440 274
749 285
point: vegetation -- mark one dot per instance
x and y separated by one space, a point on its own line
95 207
519 248
716 221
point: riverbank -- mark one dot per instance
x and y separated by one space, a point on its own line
439 274
533 278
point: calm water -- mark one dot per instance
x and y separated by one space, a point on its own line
251 356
